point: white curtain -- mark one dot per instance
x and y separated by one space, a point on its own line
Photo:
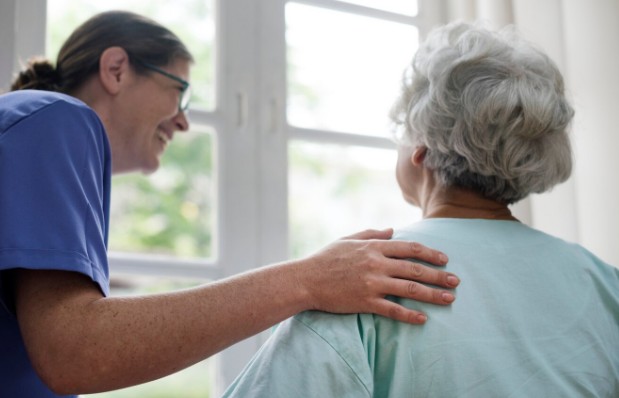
582 38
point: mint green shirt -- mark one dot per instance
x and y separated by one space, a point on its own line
534 317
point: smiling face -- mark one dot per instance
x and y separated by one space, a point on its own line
146 118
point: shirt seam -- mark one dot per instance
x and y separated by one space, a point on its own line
5 131
338 354
28 249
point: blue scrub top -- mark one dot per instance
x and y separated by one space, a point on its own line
55 171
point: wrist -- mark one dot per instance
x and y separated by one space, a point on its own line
297 282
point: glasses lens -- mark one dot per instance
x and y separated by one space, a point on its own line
185 97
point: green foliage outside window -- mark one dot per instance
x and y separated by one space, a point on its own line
171 211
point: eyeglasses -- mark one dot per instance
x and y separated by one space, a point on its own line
183 103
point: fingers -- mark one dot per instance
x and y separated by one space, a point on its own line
414 291
420 273
371 234
357 274
418 291
402 249
400 313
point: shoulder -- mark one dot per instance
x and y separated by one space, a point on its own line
302 359
607 273
32 120
333 328
313 354
349 336
25 105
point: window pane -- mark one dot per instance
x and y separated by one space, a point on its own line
192 20
345 75
406 7
194 382
335 191
170 211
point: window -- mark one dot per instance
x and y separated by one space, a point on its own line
341 82
289 145
344 79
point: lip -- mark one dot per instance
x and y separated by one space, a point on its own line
165 136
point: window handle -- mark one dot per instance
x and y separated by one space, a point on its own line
274 115
242 109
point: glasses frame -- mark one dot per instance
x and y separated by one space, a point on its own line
184 100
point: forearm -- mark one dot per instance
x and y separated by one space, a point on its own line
80 342
94 344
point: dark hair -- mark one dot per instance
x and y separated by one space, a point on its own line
40 74
144 40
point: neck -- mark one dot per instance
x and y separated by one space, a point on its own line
454 202
92 93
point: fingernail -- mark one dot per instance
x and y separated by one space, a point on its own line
443 258
453 280
422 318
448 297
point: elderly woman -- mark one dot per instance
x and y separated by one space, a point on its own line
481 124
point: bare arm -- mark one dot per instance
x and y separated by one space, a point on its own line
81 342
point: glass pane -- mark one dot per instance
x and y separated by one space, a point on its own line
192 20
170 211
335 191
345 75
406 7
194 382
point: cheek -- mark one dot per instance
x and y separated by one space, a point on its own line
407 177
398 173
403 164
401 174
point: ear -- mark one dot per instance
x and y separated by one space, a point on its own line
114 69
419 155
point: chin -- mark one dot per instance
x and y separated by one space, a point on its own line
151 167
150 170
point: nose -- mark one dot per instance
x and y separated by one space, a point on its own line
181 121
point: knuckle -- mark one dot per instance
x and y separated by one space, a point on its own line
370 285
437 296
412 289
394 312
372 262
416 248
416 270
374 267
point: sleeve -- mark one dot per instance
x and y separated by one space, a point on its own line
54 173
296 361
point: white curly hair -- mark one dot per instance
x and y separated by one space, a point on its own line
490 108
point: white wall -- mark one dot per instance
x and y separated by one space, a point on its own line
540 22
15 49
591 34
